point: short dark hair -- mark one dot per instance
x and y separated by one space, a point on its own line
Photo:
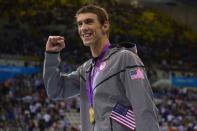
95 9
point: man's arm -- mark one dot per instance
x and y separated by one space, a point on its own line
139 93
58 85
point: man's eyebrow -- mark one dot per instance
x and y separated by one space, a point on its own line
87 19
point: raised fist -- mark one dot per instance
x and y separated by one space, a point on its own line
55 44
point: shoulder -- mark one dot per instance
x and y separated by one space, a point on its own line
124 53
128 57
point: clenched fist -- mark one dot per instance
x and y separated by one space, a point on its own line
55 44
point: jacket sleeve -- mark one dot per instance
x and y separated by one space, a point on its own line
59 85
139 92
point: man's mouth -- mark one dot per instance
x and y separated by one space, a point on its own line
87 35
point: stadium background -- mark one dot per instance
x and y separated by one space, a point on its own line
165 32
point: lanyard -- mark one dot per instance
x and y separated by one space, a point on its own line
93 72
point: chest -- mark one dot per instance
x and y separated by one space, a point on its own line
99 74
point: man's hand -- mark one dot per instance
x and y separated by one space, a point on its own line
55 44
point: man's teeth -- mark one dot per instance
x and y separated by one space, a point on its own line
87 35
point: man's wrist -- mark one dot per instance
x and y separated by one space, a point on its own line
52 52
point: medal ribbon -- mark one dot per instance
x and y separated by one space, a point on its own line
92 73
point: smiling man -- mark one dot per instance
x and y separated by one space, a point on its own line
113 87
92 32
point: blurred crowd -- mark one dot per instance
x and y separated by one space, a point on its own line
23 101
25 106
177 108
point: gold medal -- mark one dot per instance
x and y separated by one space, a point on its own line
91 115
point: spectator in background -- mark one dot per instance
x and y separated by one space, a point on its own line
111 84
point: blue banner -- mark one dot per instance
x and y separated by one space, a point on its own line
184 81
7 72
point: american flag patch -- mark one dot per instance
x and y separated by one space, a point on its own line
124 116
137 74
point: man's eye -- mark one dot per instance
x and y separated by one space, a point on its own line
89 21
79 23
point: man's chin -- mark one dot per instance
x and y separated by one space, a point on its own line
87 43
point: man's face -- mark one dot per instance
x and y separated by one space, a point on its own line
89 28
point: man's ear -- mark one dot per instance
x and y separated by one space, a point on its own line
105 27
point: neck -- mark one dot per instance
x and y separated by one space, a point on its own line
97 48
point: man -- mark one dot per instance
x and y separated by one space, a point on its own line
114 90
